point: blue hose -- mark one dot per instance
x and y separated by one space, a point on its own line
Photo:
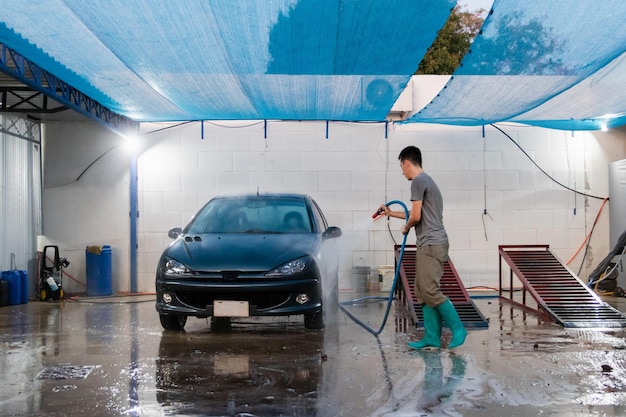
393 286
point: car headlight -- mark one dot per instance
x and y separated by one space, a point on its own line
290 268
170 266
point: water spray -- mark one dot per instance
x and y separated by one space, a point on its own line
389 299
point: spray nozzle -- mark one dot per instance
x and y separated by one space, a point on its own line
378 213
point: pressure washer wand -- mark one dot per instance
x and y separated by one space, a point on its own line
378 214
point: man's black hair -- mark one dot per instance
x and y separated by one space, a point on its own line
412 154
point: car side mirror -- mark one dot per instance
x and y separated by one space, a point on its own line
332 232
175 232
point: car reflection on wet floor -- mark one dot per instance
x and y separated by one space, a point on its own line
110 357
239 372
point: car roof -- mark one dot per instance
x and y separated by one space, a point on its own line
264 195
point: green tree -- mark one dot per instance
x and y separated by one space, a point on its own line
452 42
522 46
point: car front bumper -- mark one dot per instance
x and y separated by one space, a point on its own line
266 297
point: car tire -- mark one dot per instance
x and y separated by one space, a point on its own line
173 321
314 321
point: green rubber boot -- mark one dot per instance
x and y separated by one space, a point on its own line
432 330
449 314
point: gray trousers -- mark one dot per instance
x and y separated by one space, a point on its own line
429 261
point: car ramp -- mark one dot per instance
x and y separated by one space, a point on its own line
451 286
556 292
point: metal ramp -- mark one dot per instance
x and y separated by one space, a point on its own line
451 286
558 294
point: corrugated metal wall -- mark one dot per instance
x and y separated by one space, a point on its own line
20 194
617 194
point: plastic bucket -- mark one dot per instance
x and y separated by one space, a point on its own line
15 288
388 273
99 281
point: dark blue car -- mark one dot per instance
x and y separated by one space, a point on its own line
250 255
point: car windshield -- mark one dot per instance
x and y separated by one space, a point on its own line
255 214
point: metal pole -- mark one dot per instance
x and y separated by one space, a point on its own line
134 214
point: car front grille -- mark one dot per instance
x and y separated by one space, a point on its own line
262 300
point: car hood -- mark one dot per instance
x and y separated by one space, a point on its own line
241 252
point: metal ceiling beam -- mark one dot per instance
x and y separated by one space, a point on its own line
29 73
27 100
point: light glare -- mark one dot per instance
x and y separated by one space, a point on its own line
131 143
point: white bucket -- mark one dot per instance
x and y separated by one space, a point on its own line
387 272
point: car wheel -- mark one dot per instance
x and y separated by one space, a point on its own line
173 321
314 321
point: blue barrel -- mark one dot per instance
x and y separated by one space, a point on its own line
23 286
15 289
99 280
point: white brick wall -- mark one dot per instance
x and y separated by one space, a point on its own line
350 173
355 169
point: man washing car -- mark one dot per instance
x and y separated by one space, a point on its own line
426 216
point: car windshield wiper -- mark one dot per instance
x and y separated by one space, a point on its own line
260 231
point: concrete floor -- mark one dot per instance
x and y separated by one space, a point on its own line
110 357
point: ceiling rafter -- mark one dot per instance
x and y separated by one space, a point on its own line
27 100
37 78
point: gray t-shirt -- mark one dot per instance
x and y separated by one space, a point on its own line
429 230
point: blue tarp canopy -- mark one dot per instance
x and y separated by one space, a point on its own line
229 59
557 63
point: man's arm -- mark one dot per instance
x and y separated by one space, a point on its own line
392 213
415 215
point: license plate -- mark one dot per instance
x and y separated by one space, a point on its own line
231 309
232 365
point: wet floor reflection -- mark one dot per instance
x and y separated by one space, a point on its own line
134 369
439 385
110 357
426 387
245 371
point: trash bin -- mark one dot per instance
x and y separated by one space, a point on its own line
360 278
98 260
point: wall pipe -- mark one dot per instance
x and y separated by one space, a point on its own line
134 214
393 286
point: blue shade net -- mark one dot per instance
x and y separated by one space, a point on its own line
229 59
557 64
